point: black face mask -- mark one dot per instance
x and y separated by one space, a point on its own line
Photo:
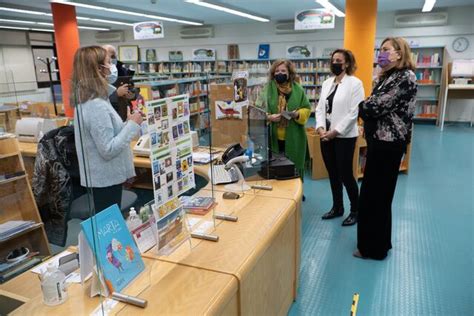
336 69
281 78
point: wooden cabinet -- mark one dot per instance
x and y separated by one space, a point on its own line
17 201
360 155
318 169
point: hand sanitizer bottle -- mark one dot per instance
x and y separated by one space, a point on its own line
53 286
133 221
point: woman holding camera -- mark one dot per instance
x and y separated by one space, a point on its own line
336 123
102 139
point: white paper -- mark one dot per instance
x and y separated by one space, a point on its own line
203 228
86 258
73 277
40 269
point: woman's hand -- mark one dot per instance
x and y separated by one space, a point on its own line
122 90
136 116
329 135
274 117
321 131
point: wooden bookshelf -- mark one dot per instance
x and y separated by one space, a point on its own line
17 202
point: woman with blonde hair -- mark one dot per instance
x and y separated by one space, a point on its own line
387 115
102 139
288 111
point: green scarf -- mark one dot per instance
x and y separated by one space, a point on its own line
295 142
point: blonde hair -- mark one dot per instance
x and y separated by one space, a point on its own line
402 47
87 81
289 65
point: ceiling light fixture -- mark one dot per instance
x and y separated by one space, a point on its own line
17 21
126 12
328 6
93 28
428 6
14 28
51 24
215 6
23 11
43 30
24 28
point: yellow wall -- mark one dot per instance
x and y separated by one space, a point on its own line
359 37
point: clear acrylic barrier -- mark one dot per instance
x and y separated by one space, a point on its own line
105 162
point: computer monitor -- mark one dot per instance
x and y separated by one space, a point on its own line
462 68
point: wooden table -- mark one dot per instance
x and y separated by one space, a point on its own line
253 269
460 91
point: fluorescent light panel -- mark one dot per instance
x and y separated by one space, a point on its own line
51 24
428 6
24 28
151 16
328 6
227 10
17 21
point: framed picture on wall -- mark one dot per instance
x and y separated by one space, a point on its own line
128 53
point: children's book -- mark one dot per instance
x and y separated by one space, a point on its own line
198 205
116 253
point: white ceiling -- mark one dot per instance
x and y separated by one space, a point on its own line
274 9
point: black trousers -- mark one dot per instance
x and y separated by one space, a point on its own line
337 155
107 196
374 227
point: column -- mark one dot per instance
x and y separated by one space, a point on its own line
359 37
67 42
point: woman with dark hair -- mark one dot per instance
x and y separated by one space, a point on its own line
288 111
336 123
387 115
102 139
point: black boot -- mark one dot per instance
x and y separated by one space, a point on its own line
333 213
350 220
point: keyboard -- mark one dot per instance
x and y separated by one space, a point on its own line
222 176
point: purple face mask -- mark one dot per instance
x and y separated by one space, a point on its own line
383 59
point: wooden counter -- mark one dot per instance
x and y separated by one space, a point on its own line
253 269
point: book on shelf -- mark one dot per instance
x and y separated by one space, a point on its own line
11 228
19 267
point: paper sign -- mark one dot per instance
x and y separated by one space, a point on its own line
314 19
148 30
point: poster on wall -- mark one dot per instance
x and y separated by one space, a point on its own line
172 165
204 54
239 79
298 51
314 19
228 110
175 55
148 30
263 51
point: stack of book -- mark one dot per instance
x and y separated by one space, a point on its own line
11 228
9 270
198 205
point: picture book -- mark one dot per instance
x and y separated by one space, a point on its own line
116 253
197 202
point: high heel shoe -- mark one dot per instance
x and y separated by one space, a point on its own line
333 213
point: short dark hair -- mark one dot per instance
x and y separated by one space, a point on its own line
349 58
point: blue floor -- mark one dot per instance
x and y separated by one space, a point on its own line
430 269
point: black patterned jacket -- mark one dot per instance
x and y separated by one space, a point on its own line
52 184
388 111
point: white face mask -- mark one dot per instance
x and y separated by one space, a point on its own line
113 74
114 61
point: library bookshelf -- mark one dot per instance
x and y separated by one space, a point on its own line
17 202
